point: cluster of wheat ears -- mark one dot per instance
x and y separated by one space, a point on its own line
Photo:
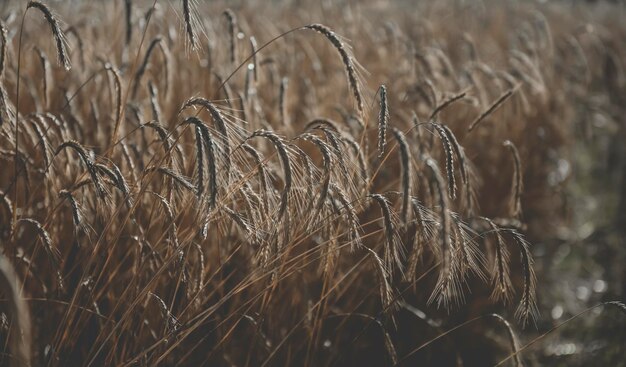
174 191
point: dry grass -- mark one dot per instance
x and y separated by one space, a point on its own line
203 197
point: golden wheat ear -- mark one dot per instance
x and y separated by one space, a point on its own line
346 58
59 36
193 25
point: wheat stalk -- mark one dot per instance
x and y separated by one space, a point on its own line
492 108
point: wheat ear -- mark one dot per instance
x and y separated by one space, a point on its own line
347 59
448 149
500 276
210 152
445 282
383 121
406 173
59 36
231 18
192 23
393 252
220 123
527 309
84 156
284 157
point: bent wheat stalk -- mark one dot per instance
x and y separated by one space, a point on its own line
494 106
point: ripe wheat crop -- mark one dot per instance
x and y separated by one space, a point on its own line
191 184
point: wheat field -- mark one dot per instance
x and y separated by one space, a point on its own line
311 184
